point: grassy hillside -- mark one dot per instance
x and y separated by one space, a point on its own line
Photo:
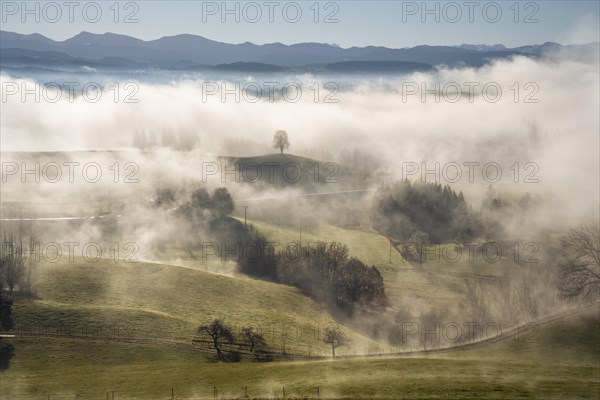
146 300
562 362
435 283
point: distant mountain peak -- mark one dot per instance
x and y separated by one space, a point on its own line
85 34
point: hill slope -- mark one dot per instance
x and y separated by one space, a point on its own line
145 300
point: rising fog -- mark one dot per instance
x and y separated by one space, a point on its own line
377 115
374 127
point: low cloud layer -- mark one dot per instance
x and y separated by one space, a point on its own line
546 115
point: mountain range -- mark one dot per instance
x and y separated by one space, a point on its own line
189 52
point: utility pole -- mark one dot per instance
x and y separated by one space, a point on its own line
245 208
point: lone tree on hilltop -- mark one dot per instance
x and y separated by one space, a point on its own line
280 140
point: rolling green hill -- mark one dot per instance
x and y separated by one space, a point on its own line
128 327
435 282
146 300
561 361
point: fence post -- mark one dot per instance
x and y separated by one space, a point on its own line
284 392
245 391
113 395
172 394
318 392
215 392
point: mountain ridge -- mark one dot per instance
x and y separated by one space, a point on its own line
194 50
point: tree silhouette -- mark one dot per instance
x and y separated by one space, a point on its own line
6 323
335 338
255 339
222 202
280 140
218 332
580 270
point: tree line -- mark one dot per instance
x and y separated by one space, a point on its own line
424 212
403 208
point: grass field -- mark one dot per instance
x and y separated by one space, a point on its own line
559 362
168 296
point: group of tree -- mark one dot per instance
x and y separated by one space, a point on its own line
261 262
19 253
197 214
323 270
12 267
203 205
224 341
497 211
165 198
358 159
6 323
403 208
149 140
429 213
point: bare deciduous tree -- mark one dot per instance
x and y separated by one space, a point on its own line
12 253
335 338
580 269
255 339
30 269
336 255
475 296
219 333
6 323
